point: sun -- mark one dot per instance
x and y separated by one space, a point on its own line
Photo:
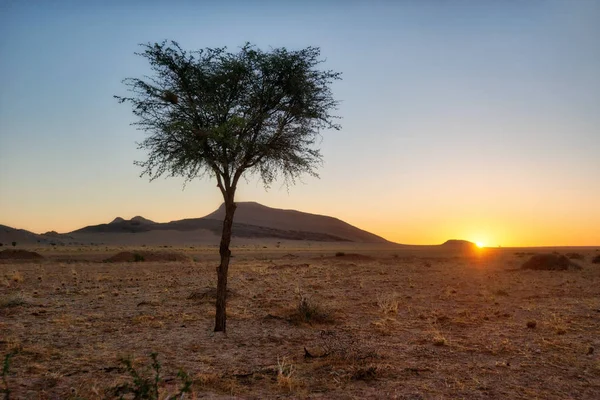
480 244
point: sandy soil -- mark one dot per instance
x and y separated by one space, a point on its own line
401 323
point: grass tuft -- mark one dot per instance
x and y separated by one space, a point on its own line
285 370
308 311
388 303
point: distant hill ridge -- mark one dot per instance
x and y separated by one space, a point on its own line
252 213
251 220
458 243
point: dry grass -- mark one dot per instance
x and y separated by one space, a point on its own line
417 325
388 303
285 372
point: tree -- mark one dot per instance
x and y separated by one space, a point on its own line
220 114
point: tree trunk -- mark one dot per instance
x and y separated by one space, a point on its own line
221 315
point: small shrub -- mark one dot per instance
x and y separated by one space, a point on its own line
137 257
1 244
5 369
14 244
340 254
388 303
285 371
596 260
146 387
308 311
531 324
558 324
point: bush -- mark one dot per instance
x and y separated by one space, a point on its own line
146 387
388 303
308 311
596 260
14 244
340 254
137 257
5 368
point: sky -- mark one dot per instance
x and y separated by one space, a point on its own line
476 120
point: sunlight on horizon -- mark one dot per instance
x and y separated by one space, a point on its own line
453 132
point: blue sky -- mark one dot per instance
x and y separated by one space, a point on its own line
467 119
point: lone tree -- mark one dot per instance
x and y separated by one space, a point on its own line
220 114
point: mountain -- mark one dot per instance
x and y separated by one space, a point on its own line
252 220
252 213
24 237
141 220
21 236
120 225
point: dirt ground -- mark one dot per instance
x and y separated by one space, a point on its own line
302 323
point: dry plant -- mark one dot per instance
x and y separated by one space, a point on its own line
285 370
557 323
308 311
388 303
16 276
437 338
385 326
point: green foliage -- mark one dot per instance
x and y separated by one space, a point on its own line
14 244
147 387
221 113
5 369
137 257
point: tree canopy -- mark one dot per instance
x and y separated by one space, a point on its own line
211 111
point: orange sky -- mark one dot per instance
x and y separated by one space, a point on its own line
466 121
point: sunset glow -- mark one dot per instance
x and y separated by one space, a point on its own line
472 120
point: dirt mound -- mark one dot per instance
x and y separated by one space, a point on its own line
550 262
19 254
141 256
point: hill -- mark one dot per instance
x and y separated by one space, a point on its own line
459 244
252 220
24 237
252 213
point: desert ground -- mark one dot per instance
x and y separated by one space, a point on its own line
304 321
